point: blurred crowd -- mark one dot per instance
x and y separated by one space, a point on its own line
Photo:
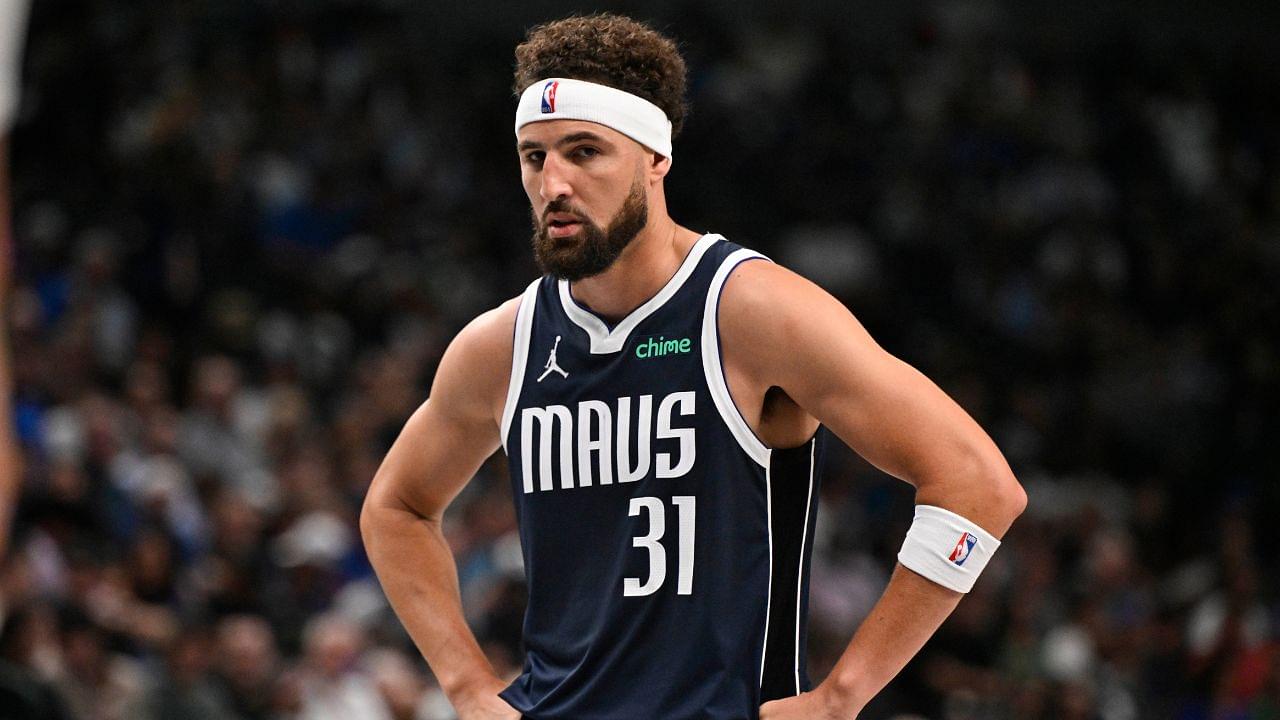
246 231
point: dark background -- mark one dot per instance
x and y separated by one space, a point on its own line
246 232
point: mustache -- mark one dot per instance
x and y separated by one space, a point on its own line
560 206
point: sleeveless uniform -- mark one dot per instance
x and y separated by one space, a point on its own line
666 548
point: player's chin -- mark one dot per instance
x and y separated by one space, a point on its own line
571 263
564 256
562 249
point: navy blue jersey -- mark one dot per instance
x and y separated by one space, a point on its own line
666 548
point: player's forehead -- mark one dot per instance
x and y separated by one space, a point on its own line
547 133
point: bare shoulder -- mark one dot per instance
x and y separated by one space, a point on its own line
475 370
762 285
490 333
779 322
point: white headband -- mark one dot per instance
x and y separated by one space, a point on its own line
565 99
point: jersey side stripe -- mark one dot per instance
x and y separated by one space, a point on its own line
519 357
713 368
790 509
804 539
768 607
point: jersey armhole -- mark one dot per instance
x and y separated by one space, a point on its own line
519 356
713 368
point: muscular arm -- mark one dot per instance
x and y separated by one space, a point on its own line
806 343
438 451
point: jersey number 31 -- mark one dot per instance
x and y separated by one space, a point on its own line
686 506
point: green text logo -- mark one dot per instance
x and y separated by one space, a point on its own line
651 347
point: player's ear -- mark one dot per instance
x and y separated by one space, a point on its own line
659 166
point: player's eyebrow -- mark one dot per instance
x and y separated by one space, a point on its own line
566 140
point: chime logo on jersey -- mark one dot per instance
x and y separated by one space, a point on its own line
652 348
963 547
592 444
549 96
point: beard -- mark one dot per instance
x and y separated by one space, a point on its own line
594 249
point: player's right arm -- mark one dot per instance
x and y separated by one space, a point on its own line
439 450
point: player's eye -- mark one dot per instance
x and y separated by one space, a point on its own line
534 157
585 152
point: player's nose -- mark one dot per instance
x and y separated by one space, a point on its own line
555 179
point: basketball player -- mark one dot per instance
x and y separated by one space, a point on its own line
12 29
659 394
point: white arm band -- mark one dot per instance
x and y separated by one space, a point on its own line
946 548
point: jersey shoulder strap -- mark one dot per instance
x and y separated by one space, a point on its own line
729 256
519 355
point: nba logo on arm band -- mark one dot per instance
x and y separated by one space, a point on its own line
946 548
963 546
567 99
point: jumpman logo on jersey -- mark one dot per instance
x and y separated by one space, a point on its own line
551 365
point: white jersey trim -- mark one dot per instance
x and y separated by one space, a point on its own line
804 540
604 341
714 370
519 356
768 603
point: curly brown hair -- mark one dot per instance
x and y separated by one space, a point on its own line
610 50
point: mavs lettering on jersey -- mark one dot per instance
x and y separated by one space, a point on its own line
595 440
666 548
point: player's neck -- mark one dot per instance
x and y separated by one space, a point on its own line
642 269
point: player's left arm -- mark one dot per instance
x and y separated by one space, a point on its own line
807 343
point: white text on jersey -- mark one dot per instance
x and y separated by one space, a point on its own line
601 451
